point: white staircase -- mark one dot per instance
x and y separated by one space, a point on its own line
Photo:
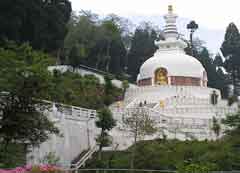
86 157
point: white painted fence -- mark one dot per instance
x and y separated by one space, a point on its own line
77 127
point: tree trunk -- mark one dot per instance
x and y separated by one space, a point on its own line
112 156
108 56
100 147
133 151
237 82
234 81
5 149
191 42
100 153
98 61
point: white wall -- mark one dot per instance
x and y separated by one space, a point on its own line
74 139
81 71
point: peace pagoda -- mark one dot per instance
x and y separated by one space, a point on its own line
170 65
172 88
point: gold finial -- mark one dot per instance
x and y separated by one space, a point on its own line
170 8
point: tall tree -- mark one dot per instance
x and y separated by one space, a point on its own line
106 122
231 51
216 127
24 81
100 40
111 32
218 61
142 48
83 34
42 23
139 124
233 121
192 26
76 55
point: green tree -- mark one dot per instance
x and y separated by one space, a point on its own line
76 55
125 85
106 122
216 127
142 48
83 34
101 41
218 61
111 32
42 23
233 121
24 80
231 51
139 124
192 26
216 77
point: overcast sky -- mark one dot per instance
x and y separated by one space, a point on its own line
214 14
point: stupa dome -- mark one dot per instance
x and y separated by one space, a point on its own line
176 64
170 65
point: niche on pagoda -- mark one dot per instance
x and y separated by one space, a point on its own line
161 76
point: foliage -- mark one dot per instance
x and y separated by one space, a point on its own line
75 56
34 169
216 77
190 156
99 42
84 91
104 140
42 23
233 121
50 159
230 50
142 48
216 127
192 26
139 124
109 44
15 156
105 122
125 85
183 156
24 80
218 61
176 155
194 168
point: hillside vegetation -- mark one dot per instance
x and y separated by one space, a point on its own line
174 155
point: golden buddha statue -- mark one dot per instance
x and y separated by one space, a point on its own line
161 77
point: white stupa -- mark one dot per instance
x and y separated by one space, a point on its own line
172 87
170 65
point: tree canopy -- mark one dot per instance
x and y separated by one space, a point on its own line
231 51
42 23
24 80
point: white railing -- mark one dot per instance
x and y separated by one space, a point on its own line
156 93
205 111
184 124
72 112
77 125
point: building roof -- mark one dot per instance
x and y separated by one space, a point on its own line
176 63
